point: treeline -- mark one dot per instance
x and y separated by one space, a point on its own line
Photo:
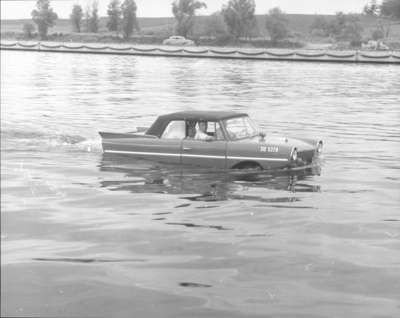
387 14
347 27
122 17
236 20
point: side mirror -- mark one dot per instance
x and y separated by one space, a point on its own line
262 135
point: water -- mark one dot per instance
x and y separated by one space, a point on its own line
83 234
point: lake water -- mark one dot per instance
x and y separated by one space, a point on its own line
87 235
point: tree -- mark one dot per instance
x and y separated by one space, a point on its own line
391 9
28 29
114 15
44 17
387 14
92 16
184 12
129 21
216 25
377 34
320 26
76 17
277 25
87 18
352 30
336 26
239 17
346 27
372 8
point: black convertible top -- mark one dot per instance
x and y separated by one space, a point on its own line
162 121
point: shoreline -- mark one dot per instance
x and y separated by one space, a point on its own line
298 55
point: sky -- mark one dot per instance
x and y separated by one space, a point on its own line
21 9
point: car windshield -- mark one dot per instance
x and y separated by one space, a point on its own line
240 128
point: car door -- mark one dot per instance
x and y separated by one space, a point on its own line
205 153
165 149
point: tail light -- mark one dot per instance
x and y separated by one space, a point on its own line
319 147
293 156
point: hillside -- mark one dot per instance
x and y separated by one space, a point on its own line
163 27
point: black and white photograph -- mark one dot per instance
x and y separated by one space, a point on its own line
200 158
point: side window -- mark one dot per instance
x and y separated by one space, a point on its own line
175 130
219 135
214 130
204 130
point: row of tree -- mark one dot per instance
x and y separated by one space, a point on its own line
348 27
344 27
121 17
387 14
236 18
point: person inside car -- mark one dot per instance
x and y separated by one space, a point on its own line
191 129
201 129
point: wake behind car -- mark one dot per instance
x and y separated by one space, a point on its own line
220 139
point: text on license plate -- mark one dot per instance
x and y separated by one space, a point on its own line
269 149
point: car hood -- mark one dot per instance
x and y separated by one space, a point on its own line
279 140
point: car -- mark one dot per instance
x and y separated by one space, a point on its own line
375 45
178 41
218 139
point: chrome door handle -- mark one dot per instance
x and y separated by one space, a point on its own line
186 148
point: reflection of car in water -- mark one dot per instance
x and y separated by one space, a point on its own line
200 184
223 140
178 41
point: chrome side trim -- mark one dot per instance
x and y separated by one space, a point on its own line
202 156
165 154
257 158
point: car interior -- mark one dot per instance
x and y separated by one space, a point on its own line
179 129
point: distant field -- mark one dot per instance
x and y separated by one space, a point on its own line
64 25
298 23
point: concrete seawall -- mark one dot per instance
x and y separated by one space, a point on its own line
349 56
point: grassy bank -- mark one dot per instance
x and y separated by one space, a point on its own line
155 30
352 56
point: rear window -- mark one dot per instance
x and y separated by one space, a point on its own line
176 129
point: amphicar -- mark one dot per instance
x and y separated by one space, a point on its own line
219 139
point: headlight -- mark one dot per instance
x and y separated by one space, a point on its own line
319 147
293 157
